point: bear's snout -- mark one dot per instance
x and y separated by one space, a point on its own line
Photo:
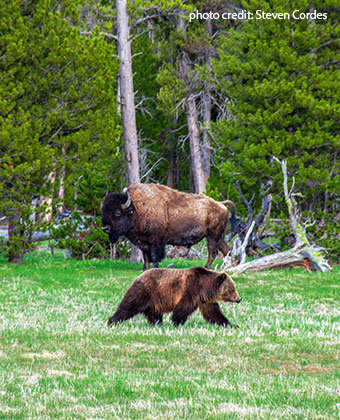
235 298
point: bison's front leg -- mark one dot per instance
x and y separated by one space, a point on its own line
157 252
224 247
147 258
153 253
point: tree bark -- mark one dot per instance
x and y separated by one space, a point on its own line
206 149
196 158
127 96
195 147
15 240
127 105
172 166
61 191
48 201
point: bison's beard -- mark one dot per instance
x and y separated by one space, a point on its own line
119 228
113 237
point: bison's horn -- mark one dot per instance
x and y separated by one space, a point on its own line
128 202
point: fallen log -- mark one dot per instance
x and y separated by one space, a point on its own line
278 260
37 236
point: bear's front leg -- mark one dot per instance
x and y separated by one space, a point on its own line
182 311
212 313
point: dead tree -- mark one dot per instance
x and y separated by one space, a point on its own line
127 96
303 253
249 241
314 253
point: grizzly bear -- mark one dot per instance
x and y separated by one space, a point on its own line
163 290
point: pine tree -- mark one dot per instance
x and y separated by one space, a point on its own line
57 94
282 80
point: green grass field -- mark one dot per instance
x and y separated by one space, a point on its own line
58 360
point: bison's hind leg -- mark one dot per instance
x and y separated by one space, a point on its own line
212 313
213 246
224 247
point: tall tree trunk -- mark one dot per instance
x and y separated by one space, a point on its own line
127 101
61 190
127 95
195 146
15 240
206 149
170 180
194 133
48 201
206 146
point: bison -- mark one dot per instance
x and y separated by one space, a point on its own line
152 215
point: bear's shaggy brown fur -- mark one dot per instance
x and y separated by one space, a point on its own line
163 290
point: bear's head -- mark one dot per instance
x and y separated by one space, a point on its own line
226 289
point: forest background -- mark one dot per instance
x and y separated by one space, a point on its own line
215 101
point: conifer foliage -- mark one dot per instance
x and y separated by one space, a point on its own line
57 107
282 82
258 89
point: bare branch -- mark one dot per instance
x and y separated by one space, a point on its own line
281 259
246 202
314 50
145 18
107 35
151 169
133 38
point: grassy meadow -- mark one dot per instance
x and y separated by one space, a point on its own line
58 360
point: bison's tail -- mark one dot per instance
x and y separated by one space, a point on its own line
233 214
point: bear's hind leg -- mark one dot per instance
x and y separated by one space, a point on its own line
153 317
130 306
212 313
122 314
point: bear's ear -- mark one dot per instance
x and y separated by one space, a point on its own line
221 278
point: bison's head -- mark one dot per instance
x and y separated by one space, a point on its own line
117 215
